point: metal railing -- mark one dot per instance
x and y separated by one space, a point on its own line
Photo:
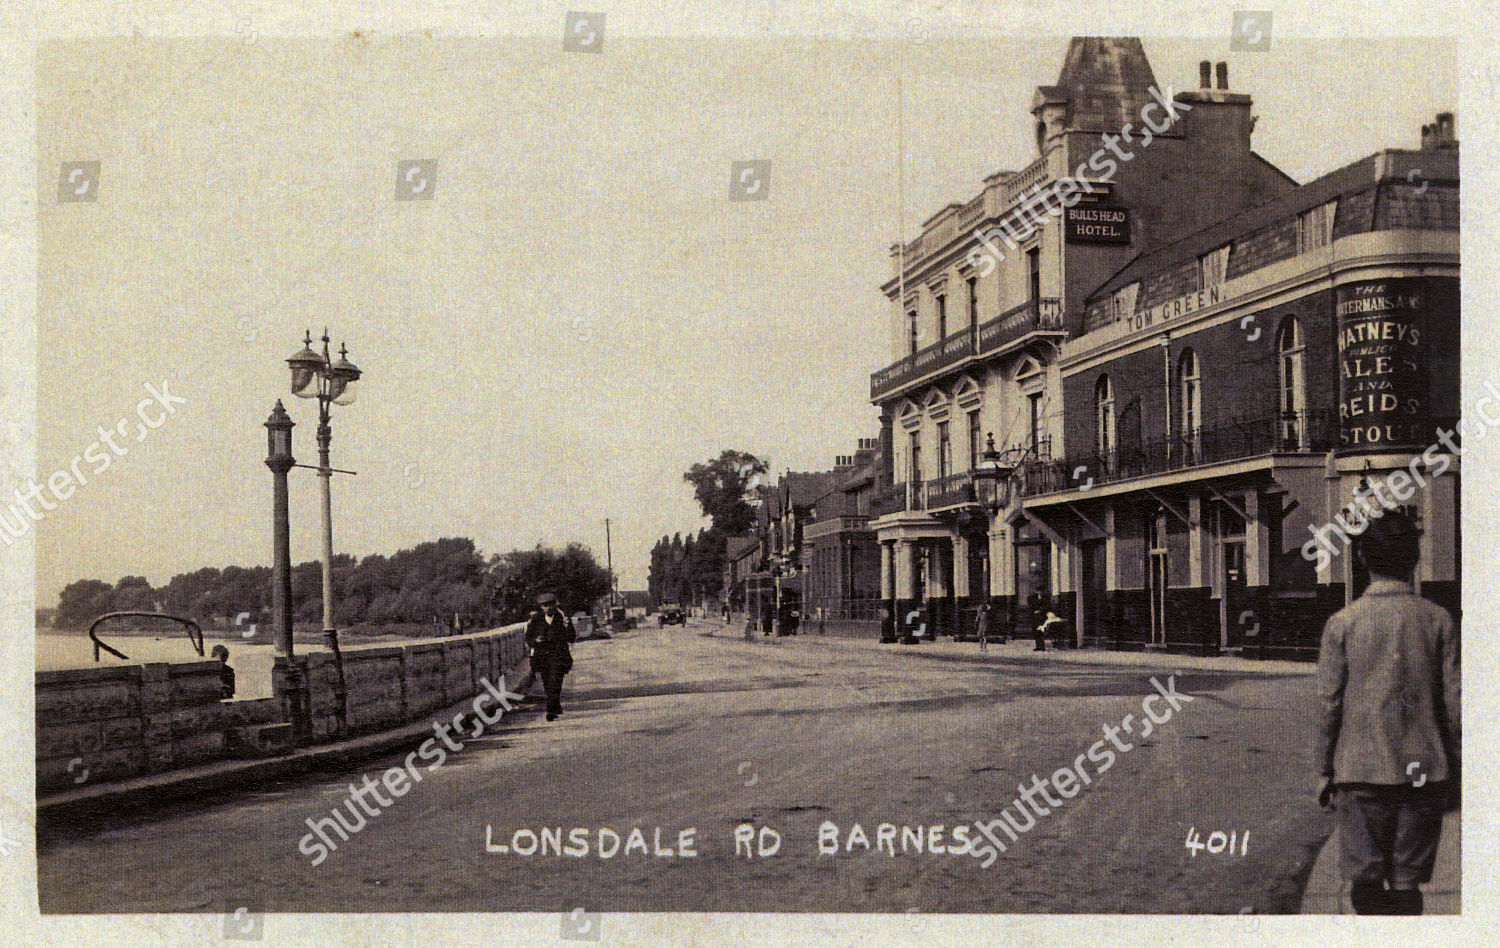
1236 440
1043 315
950 491
889 499
194 631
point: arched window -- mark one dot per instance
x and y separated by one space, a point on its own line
1191 404
1104 419
1292 385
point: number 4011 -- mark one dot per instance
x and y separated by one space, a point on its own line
1218 842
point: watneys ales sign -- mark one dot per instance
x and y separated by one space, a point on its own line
1382 365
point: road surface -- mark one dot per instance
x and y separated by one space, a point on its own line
694 728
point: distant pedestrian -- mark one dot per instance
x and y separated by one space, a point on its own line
226 674
549 633
1388 744
822 620
982 625
1054 628
1039 613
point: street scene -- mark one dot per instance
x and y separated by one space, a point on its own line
916 475
688 727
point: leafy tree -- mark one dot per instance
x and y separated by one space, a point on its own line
82 602
572 574
134 593
720 486
705 568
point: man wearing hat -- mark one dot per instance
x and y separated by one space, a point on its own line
549 633
1388 744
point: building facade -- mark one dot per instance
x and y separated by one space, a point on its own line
841 558
1233 394
983 301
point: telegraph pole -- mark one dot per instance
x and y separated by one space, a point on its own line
609 559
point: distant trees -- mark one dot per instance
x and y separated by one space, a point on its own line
572 574
688 571
434 580
82 602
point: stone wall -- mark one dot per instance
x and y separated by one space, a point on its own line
121 721
110 723
390 685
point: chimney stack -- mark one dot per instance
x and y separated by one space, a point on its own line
1223 71
1205 68
1439 134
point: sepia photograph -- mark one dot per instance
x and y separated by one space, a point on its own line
860 470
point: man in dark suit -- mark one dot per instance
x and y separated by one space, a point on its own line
549 633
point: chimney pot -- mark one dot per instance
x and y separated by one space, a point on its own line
1204 68
1223 72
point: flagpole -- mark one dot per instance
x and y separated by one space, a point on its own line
901 241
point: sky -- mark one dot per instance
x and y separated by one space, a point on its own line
576 316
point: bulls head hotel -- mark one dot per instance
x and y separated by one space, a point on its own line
1144 407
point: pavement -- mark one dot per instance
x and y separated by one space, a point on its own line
156 790
1328 894
691 728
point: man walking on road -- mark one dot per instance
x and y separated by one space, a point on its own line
1388 679
549 633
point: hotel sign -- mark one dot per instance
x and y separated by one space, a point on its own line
1096 224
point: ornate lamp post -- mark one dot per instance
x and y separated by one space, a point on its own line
331 383
279 459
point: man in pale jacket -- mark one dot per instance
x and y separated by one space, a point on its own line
1388 678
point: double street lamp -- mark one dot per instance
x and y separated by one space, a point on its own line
318 376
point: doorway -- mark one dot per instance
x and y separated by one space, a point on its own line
1156 577
1232 558
1033 582
1092 602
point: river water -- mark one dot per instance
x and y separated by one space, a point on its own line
251 663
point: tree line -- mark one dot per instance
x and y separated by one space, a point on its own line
690 570
407 592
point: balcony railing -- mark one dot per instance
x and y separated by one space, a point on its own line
888 500
950 491
1044 315
1237 440
1032 316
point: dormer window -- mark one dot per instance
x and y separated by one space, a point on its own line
1315 227
1123 303
1212 267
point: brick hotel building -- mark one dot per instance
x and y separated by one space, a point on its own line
1167 459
